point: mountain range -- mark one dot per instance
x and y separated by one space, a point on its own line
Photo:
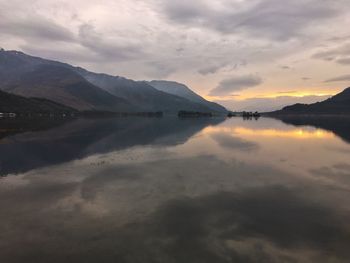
336 105
81 89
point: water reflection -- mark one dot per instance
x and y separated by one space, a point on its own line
56 142
338 125
236 191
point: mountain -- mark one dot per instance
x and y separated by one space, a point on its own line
183 91
142 94
29 76
338 104
76 87
10 103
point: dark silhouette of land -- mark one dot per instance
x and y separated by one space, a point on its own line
21 106
336 105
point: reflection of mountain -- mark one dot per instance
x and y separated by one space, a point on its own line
10 126
339 126
84 137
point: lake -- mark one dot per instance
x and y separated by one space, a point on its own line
176 190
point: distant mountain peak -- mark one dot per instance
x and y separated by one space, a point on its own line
181 90
338 104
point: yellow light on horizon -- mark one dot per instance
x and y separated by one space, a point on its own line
274 95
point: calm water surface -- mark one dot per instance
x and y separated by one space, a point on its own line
169 190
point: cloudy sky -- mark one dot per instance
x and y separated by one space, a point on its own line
238 52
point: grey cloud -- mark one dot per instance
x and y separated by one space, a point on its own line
285 67
210 69
273 19
339 79
185 11
236 83
340 54
35 28
214 68
203 37
159 70
344 61
117 49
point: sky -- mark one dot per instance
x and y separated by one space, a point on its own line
241 53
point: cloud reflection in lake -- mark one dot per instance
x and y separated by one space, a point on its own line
191 194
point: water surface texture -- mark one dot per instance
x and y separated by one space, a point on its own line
170 190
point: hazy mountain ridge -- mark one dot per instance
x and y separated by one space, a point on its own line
338 104
183 91
141 93
84 90
29 76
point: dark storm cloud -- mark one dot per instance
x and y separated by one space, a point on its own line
236 83
339 79
234 143
273 19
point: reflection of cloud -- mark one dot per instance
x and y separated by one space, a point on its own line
338 172
257 225
254 211
181 210
230 142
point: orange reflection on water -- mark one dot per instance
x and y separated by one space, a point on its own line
295 133
298 133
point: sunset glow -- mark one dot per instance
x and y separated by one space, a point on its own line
299 133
